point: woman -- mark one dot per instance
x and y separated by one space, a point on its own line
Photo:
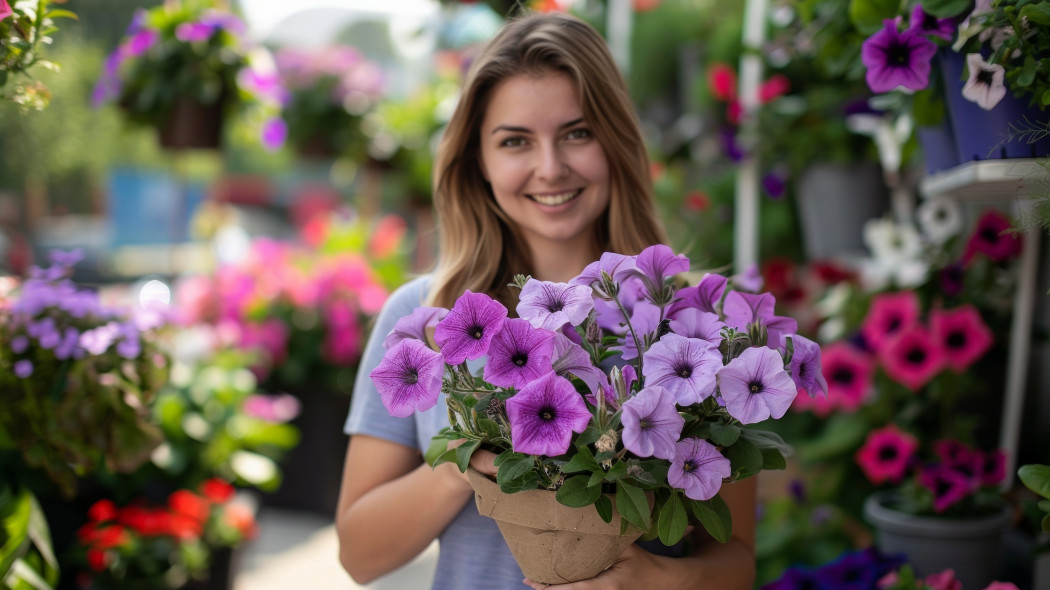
541 169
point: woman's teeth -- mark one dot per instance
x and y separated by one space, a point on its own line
552 200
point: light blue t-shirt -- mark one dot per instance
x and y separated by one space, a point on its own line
472 553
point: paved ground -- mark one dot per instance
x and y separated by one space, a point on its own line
299 550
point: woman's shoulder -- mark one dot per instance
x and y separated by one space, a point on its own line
410 295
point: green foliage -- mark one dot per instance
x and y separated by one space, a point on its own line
22 36
1037 478
26 558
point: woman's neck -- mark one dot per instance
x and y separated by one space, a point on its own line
560 262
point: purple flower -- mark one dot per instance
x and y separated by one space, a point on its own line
645 321
685 366
96 341
138 20
408 378
806 370
927 24
467 330
730 146
137 44
571 358
651 423
67 348
194 32
750 279
655 265
23 369
895 58
693 323
698 468
5 10
755 386
220 19
19 344
66 259
617 266
519 354
544 414
705 296
551 305
774 185
274 132
414 326
46 333
742 309
129 346
947 485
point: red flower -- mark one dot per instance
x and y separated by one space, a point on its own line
734 110
102 511
722 80
217 490
912 357
697 201
241 518
886 454
889 314
188 504
988 239
182 526
848 372
97 559
962 334
644 5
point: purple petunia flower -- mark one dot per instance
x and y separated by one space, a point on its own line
655 265
408 378
742 309
194 32
67 348
651 423
617 266
544 414
23 369
755 386
927 24
693 323
698 468
894 58
645 320
806 370
19 344
685 366
137 44
97 340
415 325
129 346
273 134
552 305
66 259
774 185
706 296
519 354
467 330
571 358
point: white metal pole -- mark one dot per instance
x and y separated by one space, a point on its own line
745 234
618 20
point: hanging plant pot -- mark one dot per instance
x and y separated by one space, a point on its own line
834 200
193 125
969 546
938 146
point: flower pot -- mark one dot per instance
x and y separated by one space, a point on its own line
552 543
834 200
192 125
938 146
970 546
985 135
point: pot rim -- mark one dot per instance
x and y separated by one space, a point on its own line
879 515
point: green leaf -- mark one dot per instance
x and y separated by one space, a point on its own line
1036 478
715 516
438 445
772 459
529 481
463 453
576 493
40 535
23 572
633 505
672 520
15 512
59 13
583 460
1046 523
745 458
617 471
868 15
724 434
597 477
515 466
448 456
946 8
1037 13
843 433
604 507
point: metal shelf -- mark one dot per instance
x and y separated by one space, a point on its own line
986 180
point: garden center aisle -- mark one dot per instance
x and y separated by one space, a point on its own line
299 550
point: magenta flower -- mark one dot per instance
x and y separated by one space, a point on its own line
193 32
544 414
467 330
755 386
408 378
519 354
927 24
912 357
988 238
707 296
138 44
693 323
698 469
5 10
685 366
848 373
886 454
741 309
962 335
806 370
655 265
415 325
888 314
991 467
895 58
273 134
651 423
552 305
947 484
951 451
571 358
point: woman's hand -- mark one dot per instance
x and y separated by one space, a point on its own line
635 568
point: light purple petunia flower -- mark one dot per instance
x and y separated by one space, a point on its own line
408 378
755 386
705 296
415 325
894 58
519 354
194 32
23 368
806 370
656 264
467 330
544 414
927 24
46 333
645 320
693 323
551 305
685 366
607 312
570 358
651 423
129 345
742 309
749 280
137 44
617 266
66 259
698 469
19 344
67 348
97 340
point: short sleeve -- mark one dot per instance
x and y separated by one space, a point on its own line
367 414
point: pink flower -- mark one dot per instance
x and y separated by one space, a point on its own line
1001 586
387 236
848 372
943 581
889 314
912 357
5 10
962 335
988 239
886 454
722 80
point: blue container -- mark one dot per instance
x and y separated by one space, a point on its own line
938 146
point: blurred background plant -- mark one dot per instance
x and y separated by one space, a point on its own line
25 29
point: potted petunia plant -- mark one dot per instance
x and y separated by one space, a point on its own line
623 394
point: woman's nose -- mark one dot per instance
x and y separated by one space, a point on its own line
552 164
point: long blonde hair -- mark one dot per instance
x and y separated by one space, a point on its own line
472 228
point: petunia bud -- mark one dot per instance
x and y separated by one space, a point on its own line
619 385
594 332
758 333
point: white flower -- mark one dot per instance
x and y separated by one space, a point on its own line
985 86
940 219
967 28
897 255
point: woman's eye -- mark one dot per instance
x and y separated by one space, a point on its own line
579 133
512 142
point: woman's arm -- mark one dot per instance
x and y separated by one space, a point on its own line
711 566
392 505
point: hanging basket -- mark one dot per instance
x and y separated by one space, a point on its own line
193 125
552 543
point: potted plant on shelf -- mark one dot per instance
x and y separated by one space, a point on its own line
25 27
602 450
183 67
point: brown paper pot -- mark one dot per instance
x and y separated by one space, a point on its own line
552 543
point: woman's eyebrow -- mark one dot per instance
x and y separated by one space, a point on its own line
516 129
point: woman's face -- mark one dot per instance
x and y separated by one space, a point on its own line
548 172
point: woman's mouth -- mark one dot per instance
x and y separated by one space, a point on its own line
554 200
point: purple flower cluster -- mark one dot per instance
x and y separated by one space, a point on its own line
708 345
